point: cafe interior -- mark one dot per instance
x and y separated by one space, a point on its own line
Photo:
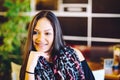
91 26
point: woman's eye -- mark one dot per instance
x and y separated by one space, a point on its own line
34 32
48 33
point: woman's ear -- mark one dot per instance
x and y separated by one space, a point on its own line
79 54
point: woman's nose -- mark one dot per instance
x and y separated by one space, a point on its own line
41 37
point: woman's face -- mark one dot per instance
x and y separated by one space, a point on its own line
43 35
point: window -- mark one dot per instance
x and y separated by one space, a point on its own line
106 27
106 6
75 1
46 4
74 26
2 8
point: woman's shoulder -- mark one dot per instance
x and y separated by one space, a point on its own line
77 52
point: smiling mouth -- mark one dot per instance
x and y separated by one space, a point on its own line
41 45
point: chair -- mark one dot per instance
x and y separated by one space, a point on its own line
15 71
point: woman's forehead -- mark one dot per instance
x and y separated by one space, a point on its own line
43 23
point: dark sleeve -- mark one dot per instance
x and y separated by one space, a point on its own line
87 71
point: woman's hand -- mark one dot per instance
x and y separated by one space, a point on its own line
33 59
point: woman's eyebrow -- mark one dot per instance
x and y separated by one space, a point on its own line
48 29
36 30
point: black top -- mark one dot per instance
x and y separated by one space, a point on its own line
65 66
88 73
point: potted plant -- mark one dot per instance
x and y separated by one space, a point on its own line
12 34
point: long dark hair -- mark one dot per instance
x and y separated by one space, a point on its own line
58 42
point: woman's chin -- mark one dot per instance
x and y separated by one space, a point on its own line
42 50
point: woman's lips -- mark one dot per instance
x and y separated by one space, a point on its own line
42 46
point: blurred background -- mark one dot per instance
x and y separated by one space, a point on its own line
92 26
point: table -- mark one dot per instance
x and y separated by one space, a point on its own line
97 66
112 77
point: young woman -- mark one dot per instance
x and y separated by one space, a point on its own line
47 56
